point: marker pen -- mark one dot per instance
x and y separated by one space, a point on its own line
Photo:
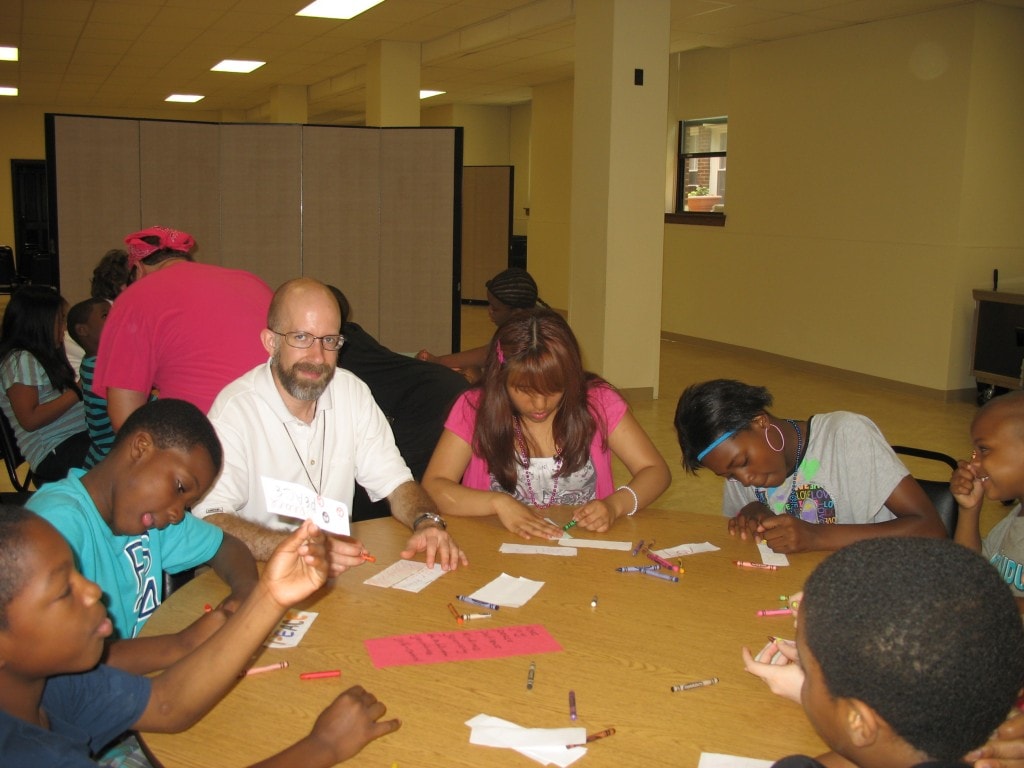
761 566
474 601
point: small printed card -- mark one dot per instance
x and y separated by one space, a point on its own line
407 575
299 502
624 546
292 628
770 557
508 591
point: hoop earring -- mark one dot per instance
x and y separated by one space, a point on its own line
782 437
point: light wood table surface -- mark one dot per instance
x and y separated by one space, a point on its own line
621 658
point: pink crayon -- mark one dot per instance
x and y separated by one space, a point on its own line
663 562
776 612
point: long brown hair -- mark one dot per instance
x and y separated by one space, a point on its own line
535 350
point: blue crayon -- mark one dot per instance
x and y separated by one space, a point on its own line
665 576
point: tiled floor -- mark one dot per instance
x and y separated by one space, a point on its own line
904 418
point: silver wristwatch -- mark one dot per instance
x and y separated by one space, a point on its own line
432 517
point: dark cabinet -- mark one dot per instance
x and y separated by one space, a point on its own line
999 338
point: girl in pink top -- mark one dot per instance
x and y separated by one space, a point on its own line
538 431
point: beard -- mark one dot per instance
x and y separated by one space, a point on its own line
302 388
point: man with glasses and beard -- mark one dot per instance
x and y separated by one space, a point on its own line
299 419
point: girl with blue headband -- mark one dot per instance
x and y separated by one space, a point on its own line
799 485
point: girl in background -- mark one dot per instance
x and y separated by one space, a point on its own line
42 401
800 485
539 431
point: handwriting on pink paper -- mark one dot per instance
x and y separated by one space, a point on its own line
435 647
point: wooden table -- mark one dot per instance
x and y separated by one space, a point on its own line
620 658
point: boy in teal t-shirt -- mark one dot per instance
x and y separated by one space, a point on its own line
127 521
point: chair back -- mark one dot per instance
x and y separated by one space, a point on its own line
12 456
936 490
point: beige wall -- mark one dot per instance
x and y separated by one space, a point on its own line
874 178
550 187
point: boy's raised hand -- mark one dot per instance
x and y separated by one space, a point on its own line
967 488
298 567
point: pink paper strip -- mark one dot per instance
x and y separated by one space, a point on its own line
436 647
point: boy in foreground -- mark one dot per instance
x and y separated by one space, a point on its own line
57 707
919 669
127 522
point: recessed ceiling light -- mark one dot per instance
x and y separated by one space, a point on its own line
337 9
7 91
237 65
428 94
7 53
185 98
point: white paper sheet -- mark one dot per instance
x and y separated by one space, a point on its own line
717 760
596 544
768 557
551 755
299 502
681 550
534 549
407 575
508 591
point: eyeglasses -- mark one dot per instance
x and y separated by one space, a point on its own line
303 340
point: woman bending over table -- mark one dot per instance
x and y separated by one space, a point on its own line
538 431
800 485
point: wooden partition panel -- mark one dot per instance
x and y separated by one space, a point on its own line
95 176
374 211
486 226
416 311
180 165
341 215
261 200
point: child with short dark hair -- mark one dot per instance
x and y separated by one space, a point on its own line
916 670
58 708
127 521
85 325
996 472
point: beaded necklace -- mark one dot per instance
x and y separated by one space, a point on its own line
793 504
524 460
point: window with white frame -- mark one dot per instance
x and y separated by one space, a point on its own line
701 172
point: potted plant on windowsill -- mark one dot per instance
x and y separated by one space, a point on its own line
701 199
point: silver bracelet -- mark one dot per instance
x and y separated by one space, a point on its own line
636 499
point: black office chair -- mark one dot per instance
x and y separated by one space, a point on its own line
13 458
937 490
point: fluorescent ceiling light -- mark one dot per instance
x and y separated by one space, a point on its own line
237 65
185 98
337 9
7 53
8 91
428 94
